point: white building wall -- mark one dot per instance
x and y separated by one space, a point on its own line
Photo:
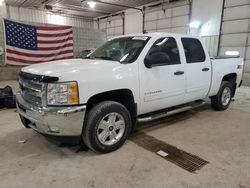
169 17
133 21
235 34
112 25
208 14
174 18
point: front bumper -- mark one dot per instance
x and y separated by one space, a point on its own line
53 121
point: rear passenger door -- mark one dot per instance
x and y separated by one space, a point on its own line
198 69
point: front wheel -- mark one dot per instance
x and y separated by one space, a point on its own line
107 126
223 98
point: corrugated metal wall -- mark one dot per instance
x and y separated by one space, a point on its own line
235 34
173 17
38 16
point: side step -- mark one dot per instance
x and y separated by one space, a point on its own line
177 110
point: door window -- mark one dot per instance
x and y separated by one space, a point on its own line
164 52
193 50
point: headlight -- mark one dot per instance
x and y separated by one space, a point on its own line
65 93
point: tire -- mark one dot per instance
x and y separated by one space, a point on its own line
221 102
99 134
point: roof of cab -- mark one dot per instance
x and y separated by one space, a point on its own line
157 34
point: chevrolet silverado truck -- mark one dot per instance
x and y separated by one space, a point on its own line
130 79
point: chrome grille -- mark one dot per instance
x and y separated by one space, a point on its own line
31 91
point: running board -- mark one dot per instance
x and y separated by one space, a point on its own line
168 113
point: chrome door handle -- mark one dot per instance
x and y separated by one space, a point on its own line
179 73
205 69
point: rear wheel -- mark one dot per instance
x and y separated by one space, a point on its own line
224 97
107 126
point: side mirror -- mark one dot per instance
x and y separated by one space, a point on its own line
156 59
148 63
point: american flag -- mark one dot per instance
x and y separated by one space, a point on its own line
26 44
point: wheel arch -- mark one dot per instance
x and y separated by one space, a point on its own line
232 77
123 96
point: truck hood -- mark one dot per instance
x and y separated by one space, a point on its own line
70 66
93 76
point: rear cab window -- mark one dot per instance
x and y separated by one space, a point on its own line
193 49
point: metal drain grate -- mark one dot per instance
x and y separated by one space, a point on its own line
171 153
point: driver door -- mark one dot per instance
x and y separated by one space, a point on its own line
162 76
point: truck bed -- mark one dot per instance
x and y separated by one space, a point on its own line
222 66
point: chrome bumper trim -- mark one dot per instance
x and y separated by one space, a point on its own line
60 121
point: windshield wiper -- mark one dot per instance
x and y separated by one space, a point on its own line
103 57
86 57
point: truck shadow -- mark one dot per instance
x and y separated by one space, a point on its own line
37 145
171 120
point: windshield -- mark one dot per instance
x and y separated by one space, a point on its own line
124 50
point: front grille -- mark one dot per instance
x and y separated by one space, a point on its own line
31 91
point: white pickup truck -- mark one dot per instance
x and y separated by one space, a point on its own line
133 78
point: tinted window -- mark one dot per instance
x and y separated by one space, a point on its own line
167 49
193 50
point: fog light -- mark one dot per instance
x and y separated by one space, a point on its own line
54 130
